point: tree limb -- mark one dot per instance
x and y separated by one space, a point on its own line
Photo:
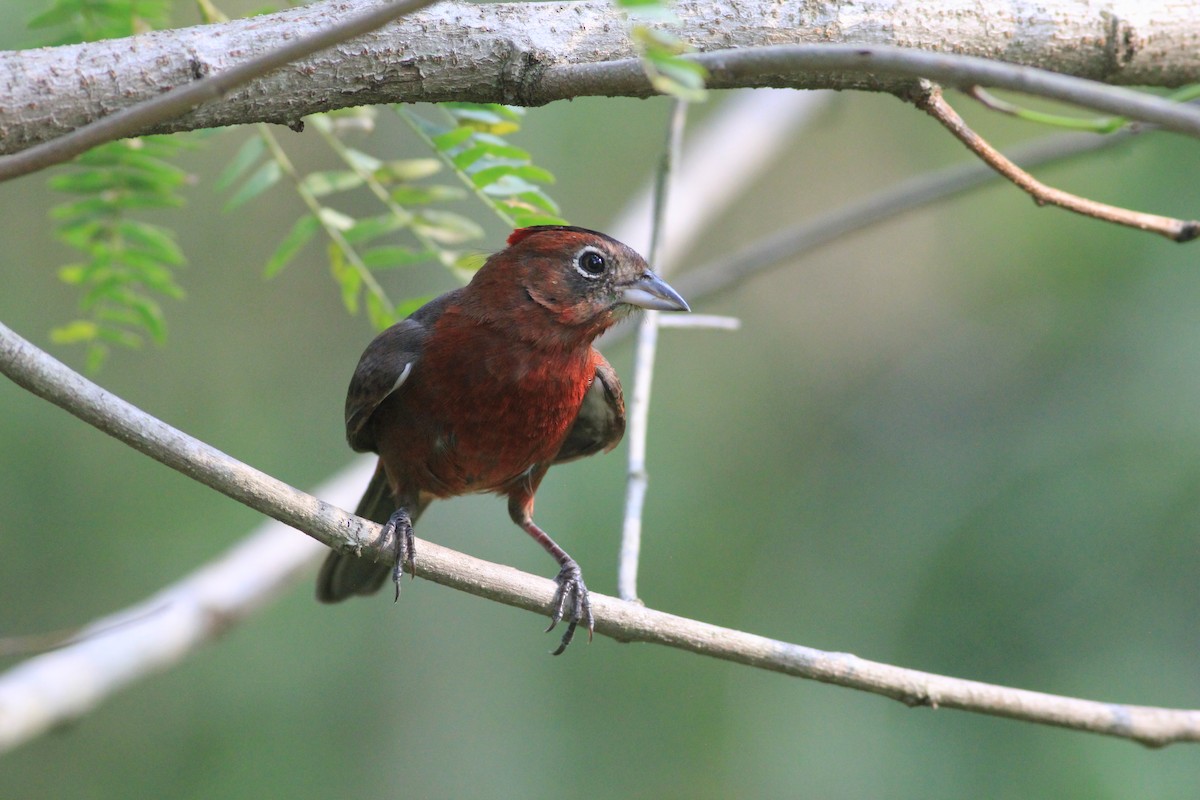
176 101
50 379
531 54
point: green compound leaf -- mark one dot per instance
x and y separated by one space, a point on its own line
301 233
127 263
259 181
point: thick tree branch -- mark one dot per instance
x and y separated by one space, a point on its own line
534 53
46 377
177 101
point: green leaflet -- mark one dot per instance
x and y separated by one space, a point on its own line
127 264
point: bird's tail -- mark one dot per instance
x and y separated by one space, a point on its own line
345 574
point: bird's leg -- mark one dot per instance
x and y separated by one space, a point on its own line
571 600
399 524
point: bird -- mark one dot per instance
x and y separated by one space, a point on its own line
487 386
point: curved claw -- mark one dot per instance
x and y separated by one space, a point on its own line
399 524
572 591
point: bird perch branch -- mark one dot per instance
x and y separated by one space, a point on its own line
48 690
46 377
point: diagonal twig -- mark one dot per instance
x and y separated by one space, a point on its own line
782 247
34 696
933 103
46 377
109 654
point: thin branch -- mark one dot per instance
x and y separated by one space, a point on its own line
34 696
711 322
44 692
135 119
64 685
796 65
783 247
624 621
933 103
637 478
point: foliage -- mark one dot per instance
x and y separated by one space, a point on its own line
1103 124
90 20
661 51
128 263
416 224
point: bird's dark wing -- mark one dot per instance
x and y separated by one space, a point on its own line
383 368
600 423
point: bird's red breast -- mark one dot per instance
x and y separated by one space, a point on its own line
481 407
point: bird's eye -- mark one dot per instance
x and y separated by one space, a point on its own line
590 263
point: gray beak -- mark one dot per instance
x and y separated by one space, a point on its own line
651 291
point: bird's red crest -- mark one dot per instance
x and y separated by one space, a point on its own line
521 233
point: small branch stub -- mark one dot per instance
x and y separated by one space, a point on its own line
934 103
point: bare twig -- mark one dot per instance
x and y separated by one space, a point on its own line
711 322
109 654
934 104
647 347
786 245
182 99
624 621
709 175
618 619
43 692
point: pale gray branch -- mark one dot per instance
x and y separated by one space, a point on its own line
534 53
46 377
709 177
66 684
645 352
784 246
114 652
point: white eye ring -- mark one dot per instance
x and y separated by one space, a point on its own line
594 259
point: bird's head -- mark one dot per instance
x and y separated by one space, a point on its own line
584 279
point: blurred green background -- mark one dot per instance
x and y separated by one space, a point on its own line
965 441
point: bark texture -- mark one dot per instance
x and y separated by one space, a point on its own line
504 53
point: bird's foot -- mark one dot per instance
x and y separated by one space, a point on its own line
400 525
571 602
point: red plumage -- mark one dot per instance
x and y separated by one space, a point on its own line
487 386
